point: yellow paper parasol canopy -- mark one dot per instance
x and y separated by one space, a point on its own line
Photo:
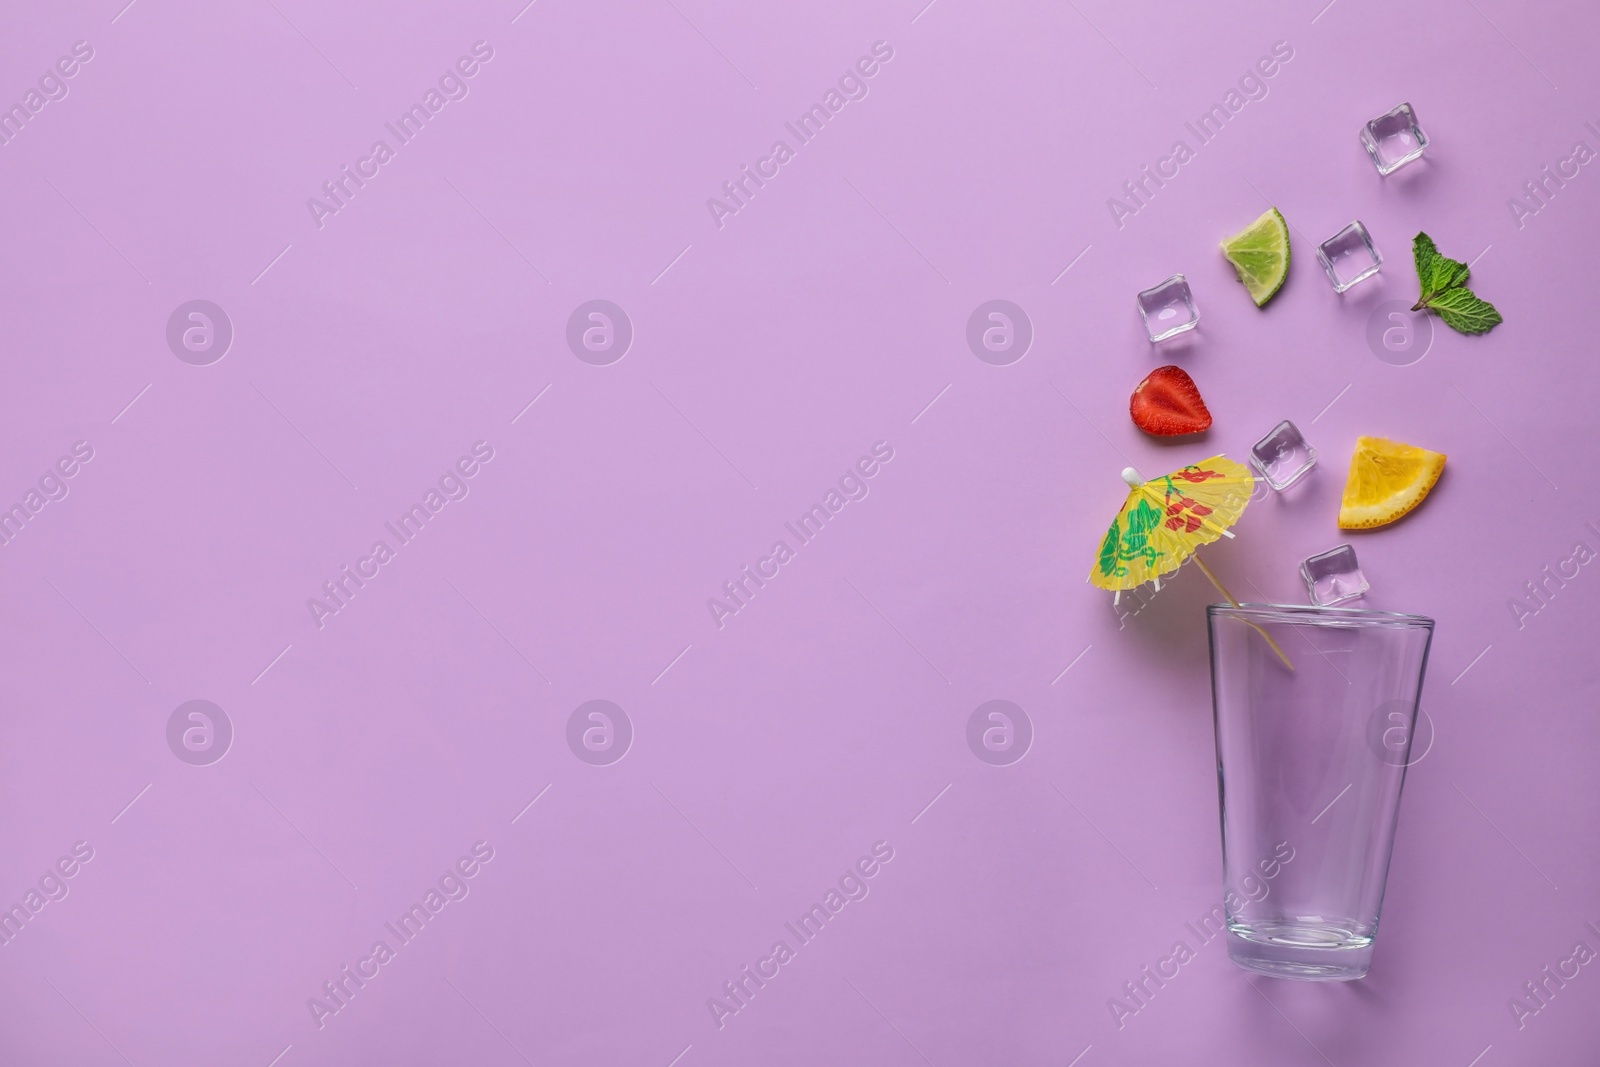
1164 521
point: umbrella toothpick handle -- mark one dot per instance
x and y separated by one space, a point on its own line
1224 591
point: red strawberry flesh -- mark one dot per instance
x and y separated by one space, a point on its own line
1167 404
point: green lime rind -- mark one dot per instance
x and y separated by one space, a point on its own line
1260 254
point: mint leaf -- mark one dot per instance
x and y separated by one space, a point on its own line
1443 283
1435 273
1424 251
1464 312
1446 274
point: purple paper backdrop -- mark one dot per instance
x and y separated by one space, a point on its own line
371 745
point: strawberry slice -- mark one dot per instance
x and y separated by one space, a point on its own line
1167 404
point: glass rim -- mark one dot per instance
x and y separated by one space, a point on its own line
1317 615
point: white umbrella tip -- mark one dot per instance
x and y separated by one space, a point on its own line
1132 477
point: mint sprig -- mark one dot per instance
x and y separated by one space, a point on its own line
1444 290
1464 312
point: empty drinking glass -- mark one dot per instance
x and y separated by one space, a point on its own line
1309 778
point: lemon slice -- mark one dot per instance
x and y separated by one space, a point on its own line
1387 480
1260 254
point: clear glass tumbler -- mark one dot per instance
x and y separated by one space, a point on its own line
1310 762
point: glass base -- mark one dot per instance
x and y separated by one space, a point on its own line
1307 950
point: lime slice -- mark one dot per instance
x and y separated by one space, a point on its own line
1261 255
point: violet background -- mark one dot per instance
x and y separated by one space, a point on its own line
767 357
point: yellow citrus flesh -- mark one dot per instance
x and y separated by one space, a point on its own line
1387 480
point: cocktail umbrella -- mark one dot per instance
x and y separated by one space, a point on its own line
1165 521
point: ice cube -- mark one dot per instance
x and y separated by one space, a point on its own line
1283 457
1349 256
1393 140
1334 576
1168 309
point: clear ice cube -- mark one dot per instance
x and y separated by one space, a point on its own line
1334 576
1349 256
1393 140
1283 457
1168 309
